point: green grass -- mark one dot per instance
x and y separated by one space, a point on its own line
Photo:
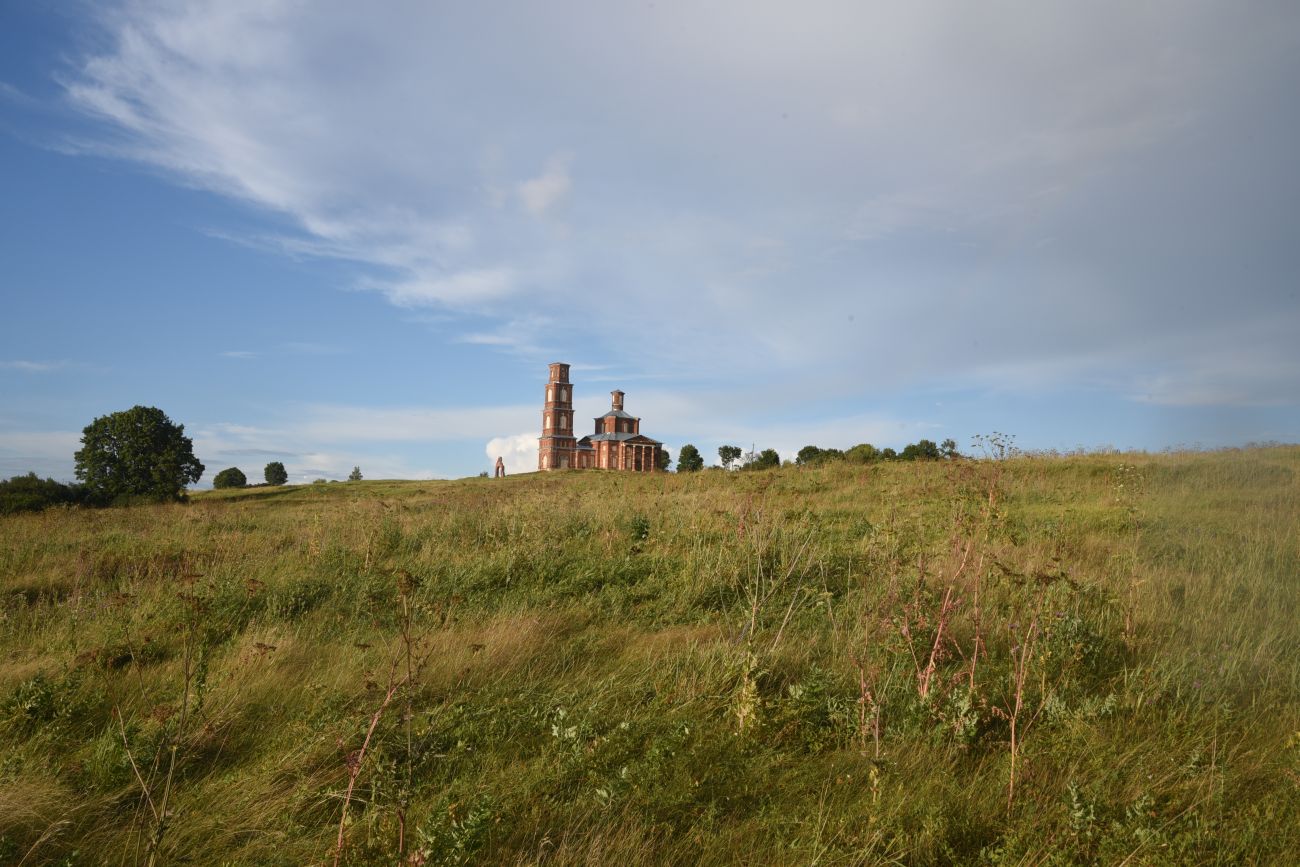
715 668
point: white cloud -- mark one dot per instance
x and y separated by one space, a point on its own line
301 347
46 453
464 287
407 424
314 448
34 366
239 353
903 164
884 215
544 192
528 334
313 439
9 92
518 451
1240 377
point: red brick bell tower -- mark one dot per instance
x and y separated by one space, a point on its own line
557 443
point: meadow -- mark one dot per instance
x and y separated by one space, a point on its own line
1082 659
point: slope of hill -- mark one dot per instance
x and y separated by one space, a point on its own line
1037 660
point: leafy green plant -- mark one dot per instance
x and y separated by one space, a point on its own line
455 834
298 597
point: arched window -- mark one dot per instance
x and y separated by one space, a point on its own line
548 420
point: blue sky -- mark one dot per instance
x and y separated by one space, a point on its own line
334 235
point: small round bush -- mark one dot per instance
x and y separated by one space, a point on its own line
232 477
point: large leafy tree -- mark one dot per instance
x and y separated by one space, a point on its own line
689 459
275 473
729 455
138 453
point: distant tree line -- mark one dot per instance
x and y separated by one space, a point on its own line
690 460
30 493
866 453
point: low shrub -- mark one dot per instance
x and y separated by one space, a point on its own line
30 493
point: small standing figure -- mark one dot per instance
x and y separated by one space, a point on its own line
501 469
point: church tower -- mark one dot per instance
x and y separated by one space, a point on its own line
557 443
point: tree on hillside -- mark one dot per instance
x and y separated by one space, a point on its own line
663 460
275 473
136 454
863 453
949 449
728 455
811 455
888 454
355 475
689 459
231 477
767 459
921 450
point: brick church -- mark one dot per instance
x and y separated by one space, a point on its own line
617 443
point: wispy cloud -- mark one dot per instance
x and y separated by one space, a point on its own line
768 191
35 366
13 94
543 193
300 347
45 452
293 347
458 289
327 441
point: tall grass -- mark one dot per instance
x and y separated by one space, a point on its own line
1082 659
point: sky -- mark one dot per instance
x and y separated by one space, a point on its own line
337 234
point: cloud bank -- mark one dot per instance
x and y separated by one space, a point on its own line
842 197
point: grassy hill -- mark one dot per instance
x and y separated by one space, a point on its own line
1089 659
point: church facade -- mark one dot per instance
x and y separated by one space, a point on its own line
616 444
